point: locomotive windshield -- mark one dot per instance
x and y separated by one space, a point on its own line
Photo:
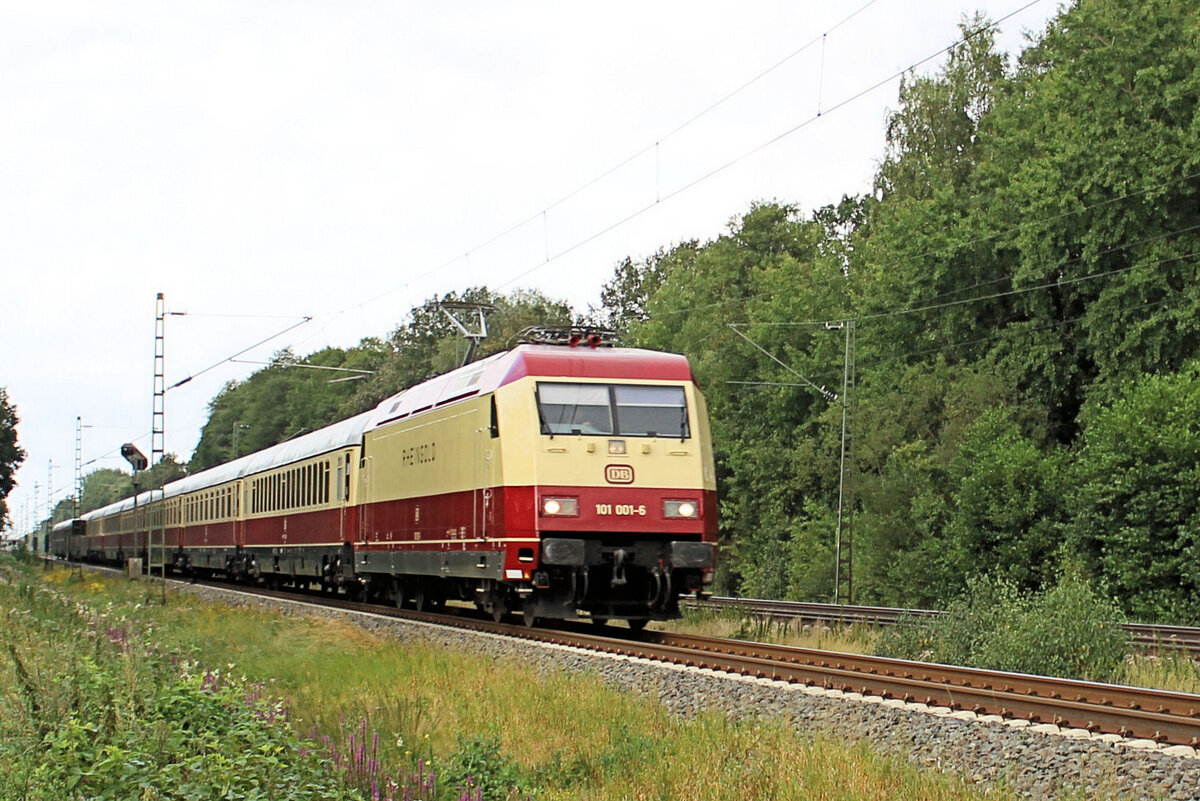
630 410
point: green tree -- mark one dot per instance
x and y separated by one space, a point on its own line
623 298
11 454
775 445
104 486
1135 513
1007 503
1089 158
165 471
290 397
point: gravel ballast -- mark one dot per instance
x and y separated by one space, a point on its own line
1040 762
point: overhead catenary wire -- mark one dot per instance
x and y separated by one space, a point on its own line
1013 330
1015 291
967 243
768 143
215 365
652 146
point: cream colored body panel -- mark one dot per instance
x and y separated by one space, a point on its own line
438 452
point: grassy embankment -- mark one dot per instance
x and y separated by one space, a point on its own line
107 697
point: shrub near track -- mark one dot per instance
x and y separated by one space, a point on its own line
1067 630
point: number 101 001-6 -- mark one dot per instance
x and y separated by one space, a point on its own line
620 509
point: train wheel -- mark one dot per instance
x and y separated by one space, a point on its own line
529 613
420 599
398 593
497 604
637 624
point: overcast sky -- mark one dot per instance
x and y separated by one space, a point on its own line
269 160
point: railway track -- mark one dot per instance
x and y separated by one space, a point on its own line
1147 636
1161 716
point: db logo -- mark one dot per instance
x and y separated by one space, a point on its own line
618 474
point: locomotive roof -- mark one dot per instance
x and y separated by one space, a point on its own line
487 375
483 376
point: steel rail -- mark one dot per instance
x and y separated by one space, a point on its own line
1148 636
1158 715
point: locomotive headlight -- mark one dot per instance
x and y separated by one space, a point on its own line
616 447
560 507
680 509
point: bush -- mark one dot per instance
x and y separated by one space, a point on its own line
1067 630
481 770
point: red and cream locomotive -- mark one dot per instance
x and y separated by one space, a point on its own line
552 480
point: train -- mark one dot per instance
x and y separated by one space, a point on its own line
561 481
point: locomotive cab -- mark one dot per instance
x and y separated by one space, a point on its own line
621 499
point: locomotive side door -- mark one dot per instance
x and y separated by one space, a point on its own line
366 510
486 451
341 496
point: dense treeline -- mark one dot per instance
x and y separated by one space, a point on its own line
1022 286
1023 283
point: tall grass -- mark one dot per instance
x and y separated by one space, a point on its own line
396 717
90 708
856 638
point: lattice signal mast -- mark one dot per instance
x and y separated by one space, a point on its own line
843 578
158 421
78 467
156 540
